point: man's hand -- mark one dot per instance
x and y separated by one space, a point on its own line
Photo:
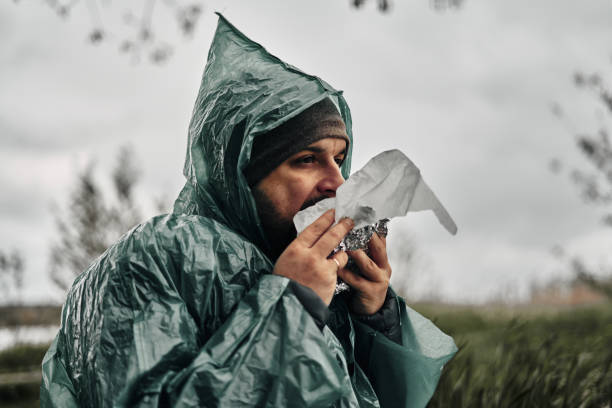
306 259
369 287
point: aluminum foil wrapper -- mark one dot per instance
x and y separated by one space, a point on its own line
358 239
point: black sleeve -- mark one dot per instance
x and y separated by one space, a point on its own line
386 320
311 302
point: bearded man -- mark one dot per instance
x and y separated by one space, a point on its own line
220 303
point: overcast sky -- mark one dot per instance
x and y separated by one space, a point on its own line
465 94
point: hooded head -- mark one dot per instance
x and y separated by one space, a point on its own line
294 166
246 95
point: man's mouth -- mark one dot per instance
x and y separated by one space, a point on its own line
312 202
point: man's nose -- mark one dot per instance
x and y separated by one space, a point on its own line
331 180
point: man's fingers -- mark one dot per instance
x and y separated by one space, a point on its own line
368 267
330 239
311 233
341 258
352 279
378 251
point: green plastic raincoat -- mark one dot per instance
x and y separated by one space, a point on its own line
183 311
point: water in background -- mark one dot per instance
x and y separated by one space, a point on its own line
10 337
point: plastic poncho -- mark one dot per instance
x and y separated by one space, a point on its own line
183 311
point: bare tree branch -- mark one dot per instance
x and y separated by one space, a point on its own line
91 222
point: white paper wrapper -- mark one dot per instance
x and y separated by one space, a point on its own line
388 186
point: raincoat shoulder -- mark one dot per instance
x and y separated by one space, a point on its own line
180 311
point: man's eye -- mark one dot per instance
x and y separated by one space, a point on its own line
306 159
339 160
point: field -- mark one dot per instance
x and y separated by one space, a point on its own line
527 358
507 358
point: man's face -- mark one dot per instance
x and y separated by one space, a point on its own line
299 182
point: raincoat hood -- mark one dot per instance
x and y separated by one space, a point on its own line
245 92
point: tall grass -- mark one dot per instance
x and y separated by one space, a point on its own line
561 360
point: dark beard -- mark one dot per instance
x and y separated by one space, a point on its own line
279 232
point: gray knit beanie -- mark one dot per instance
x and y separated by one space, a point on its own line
270 149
